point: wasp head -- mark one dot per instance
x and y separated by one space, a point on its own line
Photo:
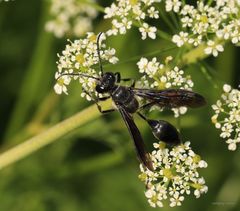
106 83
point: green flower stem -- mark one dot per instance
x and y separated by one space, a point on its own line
36 125
194 55
208 76
136 58
165 19
164 35
54 133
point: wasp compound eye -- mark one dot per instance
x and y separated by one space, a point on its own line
99 89
165 132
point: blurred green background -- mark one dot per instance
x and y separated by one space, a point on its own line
95 166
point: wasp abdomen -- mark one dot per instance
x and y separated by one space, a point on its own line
165 132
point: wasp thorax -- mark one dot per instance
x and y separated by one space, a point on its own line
164 131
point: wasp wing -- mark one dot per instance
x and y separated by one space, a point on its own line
137 138
172 98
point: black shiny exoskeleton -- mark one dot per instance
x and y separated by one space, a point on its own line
121 95
124 97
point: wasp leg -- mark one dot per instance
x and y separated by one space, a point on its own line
105 111
133 83
103 98
147 105
142 116
96 100
118 79
100 108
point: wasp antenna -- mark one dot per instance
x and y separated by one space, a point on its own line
98 51
77 74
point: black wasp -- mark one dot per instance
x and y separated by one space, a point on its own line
124 97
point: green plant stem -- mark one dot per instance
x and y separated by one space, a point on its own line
194 55
166 20
164 35
36 125
33 144
135 58
208 76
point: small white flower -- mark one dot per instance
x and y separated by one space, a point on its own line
154 199
153 13
176 200
180 39
173 5
197 193
232 146
61 85
187 21
142 65
202 164
147 30
182 110
226 88
213 48
235 37
226 130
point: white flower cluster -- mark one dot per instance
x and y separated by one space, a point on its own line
209 24
227 116
125 13
175 175
70 17
160 76
79 57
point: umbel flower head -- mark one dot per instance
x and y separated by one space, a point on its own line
81 56
208 23
227 116
163 76
70 17
125 13
175 175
